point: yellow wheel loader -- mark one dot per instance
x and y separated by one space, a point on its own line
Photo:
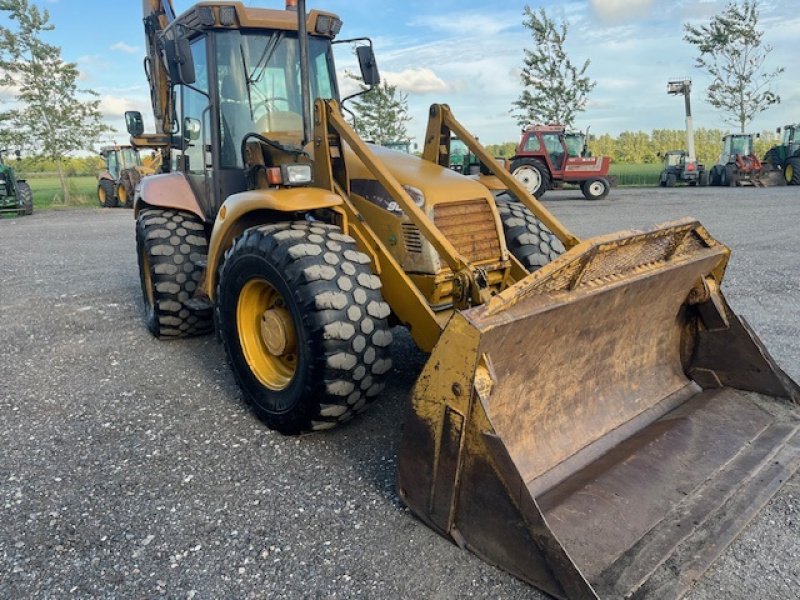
122 173
593 417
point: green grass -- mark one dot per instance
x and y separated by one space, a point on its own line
47 192
634 175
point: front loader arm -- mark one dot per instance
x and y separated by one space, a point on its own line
158 14
441 123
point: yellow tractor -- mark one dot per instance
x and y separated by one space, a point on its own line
122 173
593 417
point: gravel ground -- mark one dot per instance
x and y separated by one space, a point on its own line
131 468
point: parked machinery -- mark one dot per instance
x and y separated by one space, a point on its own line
611 369
785 157
678 168
544 160
738 164
16 196
123 172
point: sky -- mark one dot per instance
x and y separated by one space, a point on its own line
468 54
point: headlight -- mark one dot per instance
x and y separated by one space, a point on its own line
296 174
227 16
416 195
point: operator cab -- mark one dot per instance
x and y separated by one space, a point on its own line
236 92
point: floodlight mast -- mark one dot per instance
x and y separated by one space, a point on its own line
683 87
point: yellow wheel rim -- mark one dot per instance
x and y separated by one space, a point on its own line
148 281
789 172
267 334
101 194
122 194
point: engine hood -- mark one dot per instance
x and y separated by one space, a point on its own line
437 184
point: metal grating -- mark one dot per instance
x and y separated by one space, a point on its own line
412 238
470 226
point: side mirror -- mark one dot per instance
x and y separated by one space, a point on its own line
179 60
18 154
134 123
191 129
758 136
368 65
778 130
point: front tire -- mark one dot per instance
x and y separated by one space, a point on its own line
171 246
533 175
671 180
128 180
107 193
595 188
304 325
527 238
25 197
791 171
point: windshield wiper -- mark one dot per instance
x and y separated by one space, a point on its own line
269 50
246 80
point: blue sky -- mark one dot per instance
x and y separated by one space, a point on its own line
468 53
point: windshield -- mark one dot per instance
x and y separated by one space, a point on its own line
130 158
674 159
259 86
740 145
574 143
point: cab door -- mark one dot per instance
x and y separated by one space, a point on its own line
556 149
193 115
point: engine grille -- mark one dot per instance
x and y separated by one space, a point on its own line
412 238
470 227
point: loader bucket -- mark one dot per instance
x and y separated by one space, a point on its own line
605 427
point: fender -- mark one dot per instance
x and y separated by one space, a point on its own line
170 190
247 209
104 175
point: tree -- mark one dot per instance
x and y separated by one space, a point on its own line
381 113
731 50
50 116
555 90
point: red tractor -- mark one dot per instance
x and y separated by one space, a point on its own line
543 161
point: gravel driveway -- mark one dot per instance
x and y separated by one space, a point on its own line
130 468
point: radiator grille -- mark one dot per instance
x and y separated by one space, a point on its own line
470 227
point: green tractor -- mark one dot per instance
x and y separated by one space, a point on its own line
786 156
15 194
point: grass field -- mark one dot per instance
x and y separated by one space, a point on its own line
47 192
633 175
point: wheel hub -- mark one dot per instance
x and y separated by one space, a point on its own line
277 331
528 177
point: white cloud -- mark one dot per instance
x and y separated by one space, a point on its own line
621 10
468 24
416 80
123 47
115 106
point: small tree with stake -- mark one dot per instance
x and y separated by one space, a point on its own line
555 89
49 116
732 51
381 113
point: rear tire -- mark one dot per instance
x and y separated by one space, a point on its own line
532 174
171 244
671 180
791 171
25 197
527 238
703 179
310 280
107 193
